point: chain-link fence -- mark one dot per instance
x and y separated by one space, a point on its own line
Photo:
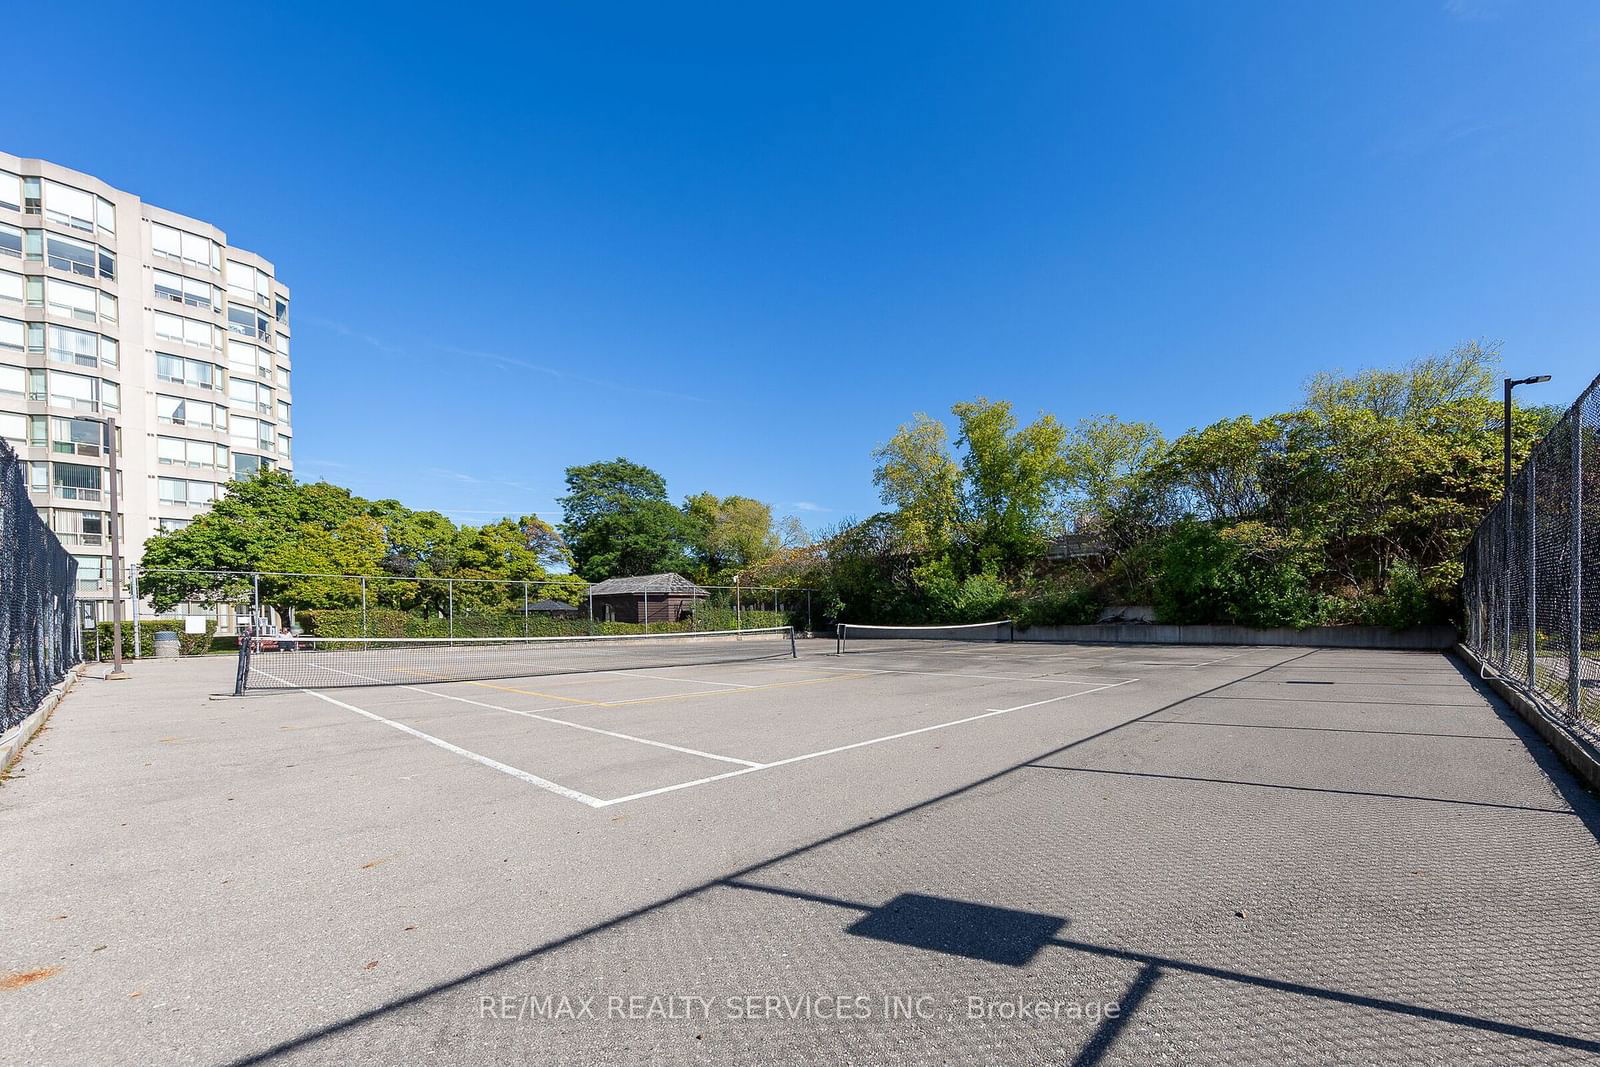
354 605
1531 589
39 637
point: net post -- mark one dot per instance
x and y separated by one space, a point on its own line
364 605
133 604
524 607
450 601
1575 626
808 611
1533 563
794 649
838 638
244 666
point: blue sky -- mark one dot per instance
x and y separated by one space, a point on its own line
741 244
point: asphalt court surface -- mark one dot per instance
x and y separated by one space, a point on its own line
612 736
1274 855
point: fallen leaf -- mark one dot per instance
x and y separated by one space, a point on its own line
18 979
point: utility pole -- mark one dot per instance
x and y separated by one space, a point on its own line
110 429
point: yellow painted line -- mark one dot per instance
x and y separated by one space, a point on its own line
727 692
539 693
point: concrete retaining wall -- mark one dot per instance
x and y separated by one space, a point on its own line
1576 751
1428 638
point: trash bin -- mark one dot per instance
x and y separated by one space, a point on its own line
166 644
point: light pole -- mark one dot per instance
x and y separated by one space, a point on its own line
1505 426
117 673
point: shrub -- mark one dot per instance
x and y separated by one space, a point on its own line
1059 607
1246 575
188 644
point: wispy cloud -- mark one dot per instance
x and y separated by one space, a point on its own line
806 505
344 330
504 360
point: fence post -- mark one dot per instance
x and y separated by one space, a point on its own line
133 590
450 595
524 607
363 605
1575 634
808 611
255 601
1533 563
647 611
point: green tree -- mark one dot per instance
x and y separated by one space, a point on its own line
617 521
1013 486
918 478
728 533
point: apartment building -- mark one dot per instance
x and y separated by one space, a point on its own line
111 307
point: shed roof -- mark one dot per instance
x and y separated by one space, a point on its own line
669 583
551 605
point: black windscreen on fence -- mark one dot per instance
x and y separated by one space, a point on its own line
39 638
1531 590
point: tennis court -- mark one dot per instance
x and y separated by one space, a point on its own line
609 720
892 851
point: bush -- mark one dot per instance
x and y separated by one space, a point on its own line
947 599
1245 575
1406 600
1059 607
188 644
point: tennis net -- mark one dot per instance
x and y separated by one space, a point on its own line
285 662
855 637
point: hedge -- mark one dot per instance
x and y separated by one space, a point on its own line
188 644
390 622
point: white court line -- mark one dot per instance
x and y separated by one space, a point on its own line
956 674
503 768
542 718
858 744
670 678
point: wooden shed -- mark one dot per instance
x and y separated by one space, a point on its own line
670 597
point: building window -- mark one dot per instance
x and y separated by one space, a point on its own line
86 528
179 411
283 445
181 246
76 481
90 569
188 331
13 334
75 392
106 215
247 466
10 191
245 393
247 323
14 428
283 412
280 310
10 241
79 347
70 255
12 287
181 290
166 525
32 203
72 301
181 492
76 437
176 451
188 371
66 206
